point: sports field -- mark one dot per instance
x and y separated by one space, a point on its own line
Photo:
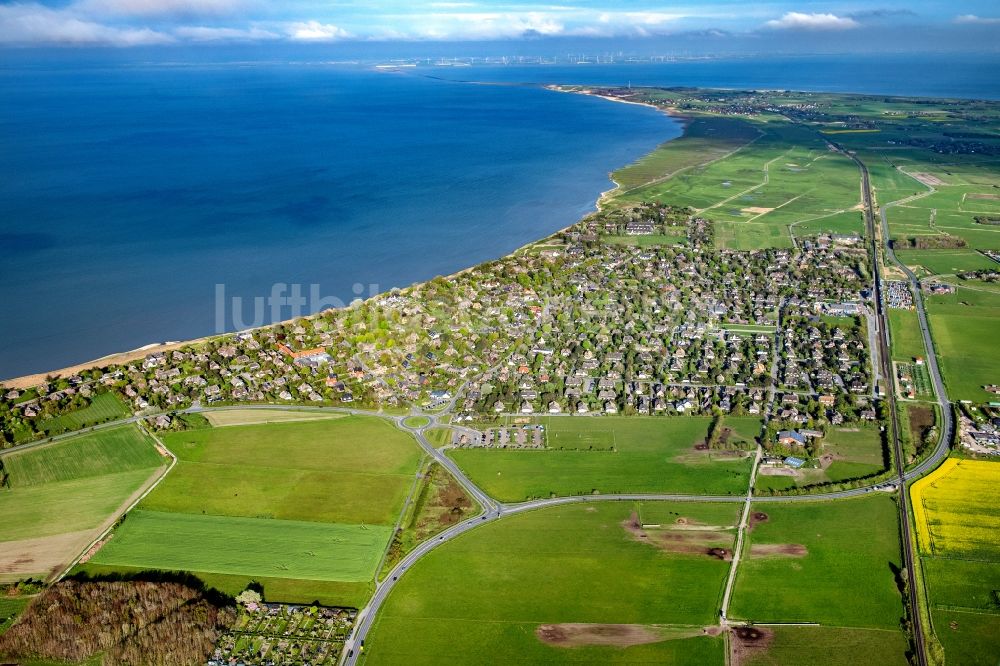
814 562
506 592
609 455
246 546
955 513
907 343
115 450
349 470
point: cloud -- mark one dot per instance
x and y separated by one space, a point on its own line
800 21
159 7
972 19
199 33
31 23
882 13
316 32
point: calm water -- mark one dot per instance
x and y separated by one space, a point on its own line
128 193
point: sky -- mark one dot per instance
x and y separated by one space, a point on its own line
643 27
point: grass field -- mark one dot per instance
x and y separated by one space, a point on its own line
116 450
307 505
104 407
851 551
246 546
907 343
416 421
348 470
481 597
629 455
945 262
705 139
965 339
857 452
830 646
229 417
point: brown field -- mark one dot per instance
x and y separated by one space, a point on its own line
986 197
778 550
928 179
46 555
693 540
756 210
776 471
571 634
747 642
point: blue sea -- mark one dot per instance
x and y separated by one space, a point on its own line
136 200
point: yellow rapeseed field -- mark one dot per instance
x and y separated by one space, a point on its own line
957 509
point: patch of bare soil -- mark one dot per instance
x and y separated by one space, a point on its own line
827 459
986 197
778 550
757 517
701 446
615 635
748 642
777 471
710 542
758 210
928 179
42 555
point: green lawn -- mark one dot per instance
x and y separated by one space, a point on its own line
946 262
608 455
969 638
350 470
481 597
831 646
907 343
104 407
246 546
856 444
845 578
119 449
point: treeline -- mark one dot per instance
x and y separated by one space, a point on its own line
134 622
935 242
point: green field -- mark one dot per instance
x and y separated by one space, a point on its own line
907 343
965 339
852 548
851 222
945 262
857 452
119 449
831 646
104 407
246 546
67 506
481 597
348 470
609 455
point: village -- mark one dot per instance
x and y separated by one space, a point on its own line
580 323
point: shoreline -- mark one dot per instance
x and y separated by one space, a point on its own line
24 382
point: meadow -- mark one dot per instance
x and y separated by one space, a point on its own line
481 597
246 546
849 552
963 327
945 262
104 407
609 455
830 646
857 451
788 176
115 450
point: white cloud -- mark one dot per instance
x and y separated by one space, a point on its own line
316 31
972 19
31 23
159 7
200 33
800 21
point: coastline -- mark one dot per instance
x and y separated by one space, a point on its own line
117 358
